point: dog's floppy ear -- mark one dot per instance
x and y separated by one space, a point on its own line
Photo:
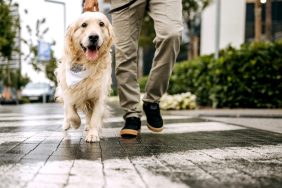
111 35
69 47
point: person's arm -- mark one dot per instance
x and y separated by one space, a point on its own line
91 5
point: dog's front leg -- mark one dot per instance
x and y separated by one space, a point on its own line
88 115
66 124
72 117
95 123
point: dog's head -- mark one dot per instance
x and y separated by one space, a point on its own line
90 36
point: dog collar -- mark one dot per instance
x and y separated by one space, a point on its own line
76 74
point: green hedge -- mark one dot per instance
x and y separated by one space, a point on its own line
247 77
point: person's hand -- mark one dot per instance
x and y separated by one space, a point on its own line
90 5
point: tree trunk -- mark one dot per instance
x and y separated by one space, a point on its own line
268 30
195 46
190 44
193 51
257 20
8 72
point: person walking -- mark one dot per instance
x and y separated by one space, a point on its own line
127 17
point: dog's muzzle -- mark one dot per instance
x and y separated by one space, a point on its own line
92 49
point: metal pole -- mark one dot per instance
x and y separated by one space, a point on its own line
217 28
64 6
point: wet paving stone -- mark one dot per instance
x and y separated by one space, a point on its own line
190 152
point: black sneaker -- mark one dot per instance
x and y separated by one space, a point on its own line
131 128
154 118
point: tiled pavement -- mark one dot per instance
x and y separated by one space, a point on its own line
191 152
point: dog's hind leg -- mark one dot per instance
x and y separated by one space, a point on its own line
88 109
96 121
88 118
66 124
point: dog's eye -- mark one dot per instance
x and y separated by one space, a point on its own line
84 25
102 24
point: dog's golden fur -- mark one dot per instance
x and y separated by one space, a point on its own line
89 95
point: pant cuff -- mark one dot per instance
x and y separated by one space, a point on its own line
132 114
150 100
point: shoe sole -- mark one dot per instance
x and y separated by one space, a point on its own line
157 130
131 132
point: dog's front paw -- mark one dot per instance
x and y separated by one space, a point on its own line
73 118
75 125
92 136
75 122
66 126
86 128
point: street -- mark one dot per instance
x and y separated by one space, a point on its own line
193 151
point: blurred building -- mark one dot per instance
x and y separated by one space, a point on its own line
276 21
236 23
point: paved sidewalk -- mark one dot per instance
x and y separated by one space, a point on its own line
193 151
247 113
263 119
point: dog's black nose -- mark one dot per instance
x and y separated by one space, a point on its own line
93 38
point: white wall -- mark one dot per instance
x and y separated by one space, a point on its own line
232 29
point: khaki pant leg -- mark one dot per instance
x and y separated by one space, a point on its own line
167 16
127 26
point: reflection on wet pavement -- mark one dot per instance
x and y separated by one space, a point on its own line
191 152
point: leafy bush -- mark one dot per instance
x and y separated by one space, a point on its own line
248 77
16 80
190 76
142 83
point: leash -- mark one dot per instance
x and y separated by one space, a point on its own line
122 7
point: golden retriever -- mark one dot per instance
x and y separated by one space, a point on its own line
84 74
